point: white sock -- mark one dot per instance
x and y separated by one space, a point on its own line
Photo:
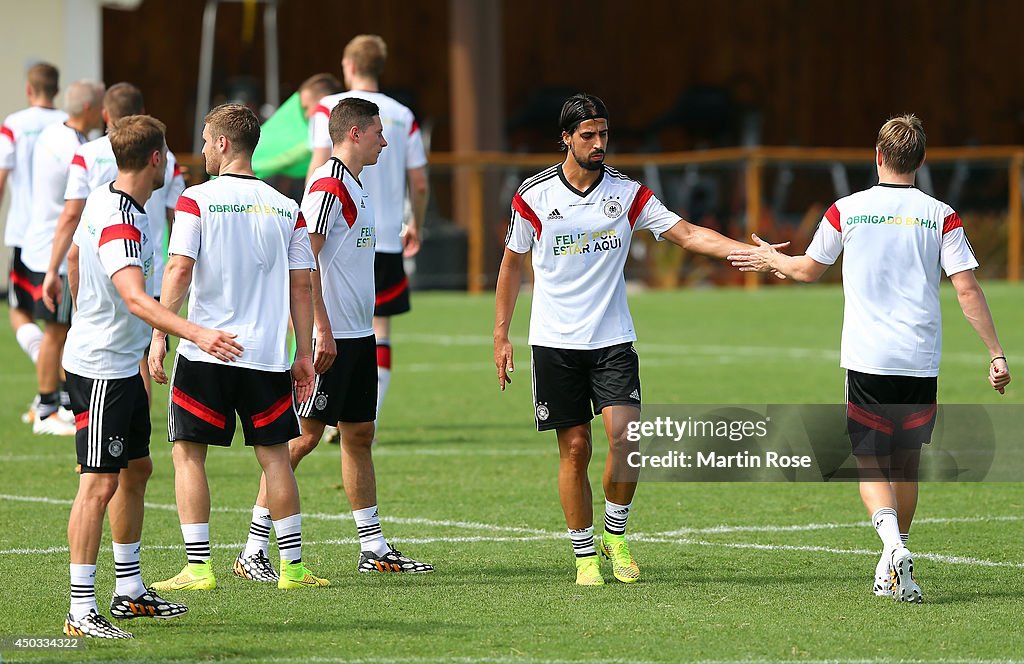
371 537
29 337
583 542
197 541
259 532
126 567
289 538
885 523
904 537
615 517
383 371
83 590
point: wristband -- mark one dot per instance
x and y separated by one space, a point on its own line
1001 357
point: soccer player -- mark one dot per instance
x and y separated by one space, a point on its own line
93 166
402 168
897 241
341 231
244 250
51 159
578 218
109 264
315 88
18 135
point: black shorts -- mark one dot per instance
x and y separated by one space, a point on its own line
111 421
570 387
39 310
392 285
884 413
206 396
21 293
347 392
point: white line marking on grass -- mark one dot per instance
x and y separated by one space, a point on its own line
801 527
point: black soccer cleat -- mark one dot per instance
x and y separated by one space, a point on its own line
255 568
146 605
95 626
391 562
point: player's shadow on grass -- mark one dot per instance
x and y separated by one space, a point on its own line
966 596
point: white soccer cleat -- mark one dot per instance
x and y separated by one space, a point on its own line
884 577
331 435
904 586
53 425
29 416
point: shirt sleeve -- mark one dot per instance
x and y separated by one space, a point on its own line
7 153
415 154
300 252
319 136
186 235
326 200
523 228
955 254
175 180
646 212
827 243
120 243
78 179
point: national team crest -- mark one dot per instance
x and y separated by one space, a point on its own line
542 412
320 402
612 209
115 446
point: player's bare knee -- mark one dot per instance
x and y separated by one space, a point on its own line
98 487
303 445
577 451
138 471
358 435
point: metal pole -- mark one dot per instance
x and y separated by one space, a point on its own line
205 72
751 280
1013 232
272 56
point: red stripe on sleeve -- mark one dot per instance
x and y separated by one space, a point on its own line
199 410
268 416
300 223
79 160
6 131
186 204
322 110
643 194
952 222
527 213
414 128
120 232
336 188
832 214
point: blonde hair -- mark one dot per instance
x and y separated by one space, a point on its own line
238 123
134 139
44 77
368 53
902 141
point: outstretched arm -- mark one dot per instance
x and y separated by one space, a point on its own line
976 311
509 276
767 258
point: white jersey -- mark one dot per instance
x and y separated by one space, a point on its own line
51 160
385 181
337 207
107 341
18 135
896 239
245 236
94 166
580 242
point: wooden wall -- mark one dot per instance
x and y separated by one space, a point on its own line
821 73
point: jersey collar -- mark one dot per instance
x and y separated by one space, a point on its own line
134 202
581 194
895 186
242 176
345 169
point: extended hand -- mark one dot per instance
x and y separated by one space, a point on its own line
303 376
157 353
220 344
758 258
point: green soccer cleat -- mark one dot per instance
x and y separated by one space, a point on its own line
588 572
295 575
194 576
624 567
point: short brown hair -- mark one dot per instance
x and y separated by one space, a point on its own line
238 123
121 100
901 141
324 84
368 53
348 113
44 78
134 138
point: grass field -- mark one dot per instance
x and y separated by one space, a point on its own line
767 572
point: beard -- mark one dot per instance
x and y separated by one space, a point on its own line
589 164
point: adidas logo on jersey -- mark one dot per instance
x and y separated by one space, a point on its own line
554 215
